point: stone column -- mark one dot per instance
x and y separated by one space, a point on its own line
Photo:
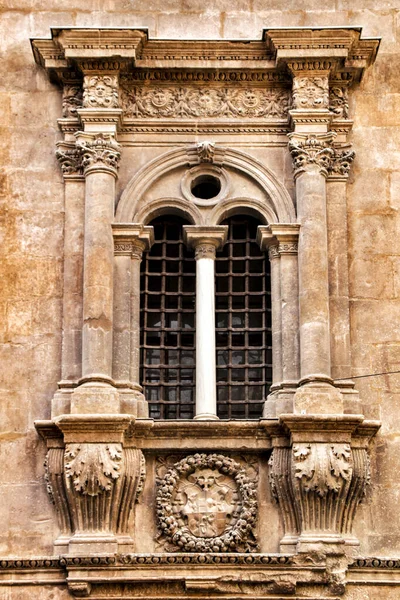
312 152
267 241
281 240
71 364
206 241
130 241
339 308
100 155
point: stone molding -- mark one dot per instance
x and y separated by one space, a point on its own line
132 239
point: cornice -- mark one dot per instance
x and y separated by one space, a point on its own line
340 50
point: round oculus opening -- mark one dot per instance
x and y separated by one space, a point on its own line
205 187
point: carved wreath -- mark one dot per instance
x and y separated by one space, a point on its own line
236 536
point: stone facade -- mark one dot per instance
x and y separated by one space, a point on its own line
106 128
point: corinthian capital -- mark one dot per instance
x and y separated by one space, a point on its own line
311 152
69 157
342 161
100 91
99 150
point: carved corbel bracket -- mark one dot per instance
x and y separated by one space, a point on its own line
319 478
93 480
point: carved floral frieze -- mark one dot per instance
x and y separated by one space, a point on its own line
207 503
158 102
100 91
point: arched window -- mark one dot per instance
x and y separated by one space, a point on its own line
168 323
243 323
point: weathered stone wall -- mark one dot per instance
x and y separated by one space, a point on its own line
31 192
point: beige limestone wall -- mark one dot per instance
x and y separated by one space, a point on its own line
31 234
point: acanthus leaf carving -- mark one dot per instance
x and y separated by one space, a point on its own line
322 467
206 151
100 91
93 467
313 151
192 101
310 92
100 150
205 251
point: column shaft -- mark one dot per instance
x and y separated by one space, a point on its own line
98 276
276 314
206 393
135 317
122 317
290 315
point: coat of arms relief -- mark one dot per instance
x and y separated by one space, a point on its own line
207 503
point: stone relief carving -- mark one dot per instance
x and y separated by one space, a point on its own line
339 101
100 91
342 161
207 503
193 101
310 92
311 151
322 467
205 251
69 157
93 467
101 149
72 100
206 151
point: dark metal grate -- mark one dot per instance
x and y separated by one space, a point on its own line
167 323
243 323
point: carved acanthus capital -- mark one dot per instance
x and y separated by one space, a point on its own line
100 91
310 91
205 240
311 152
273 251
69 157
72 100
132 239
99 150
342 160
205 251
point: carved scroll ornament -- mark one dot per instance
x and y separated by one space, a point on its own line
207 503
158 102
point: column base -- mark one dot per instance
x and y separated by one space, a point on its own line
321 543
206 417
89 544
317 396
92 398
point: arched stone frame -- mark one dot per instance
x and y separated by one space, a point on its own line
278 208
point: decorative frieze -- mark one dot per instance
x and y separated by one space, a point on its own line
207 503
99 150
192 101
310 92
100 91
311 151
